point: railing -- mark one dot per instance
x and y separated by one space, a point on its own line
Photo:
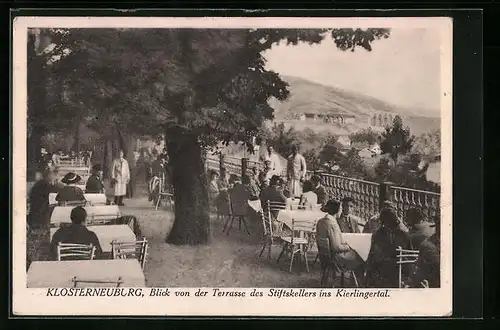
367 195
405 198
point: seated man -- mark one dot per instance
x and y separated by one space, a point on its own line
76 233
319 189
70 192
348 222
94 184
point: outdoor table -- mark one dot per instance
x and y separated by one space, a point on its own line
93 199
361 243
61 214
108 233
256 205
96 199
287 216
59 274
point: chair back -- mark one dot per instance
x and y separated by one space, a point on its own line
70 251
102 218
302 229
130 250
239 202
96 283
324 252
268 219
405 257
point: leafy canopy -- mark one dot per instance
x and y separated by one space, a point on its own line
207 83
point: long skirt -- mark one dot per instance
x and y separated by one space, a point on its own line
295 188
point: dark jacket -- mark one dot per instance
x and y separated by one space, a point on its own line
382 267
75 234
39 203
273 194
348 223
321 193
69 194
239 196
428 264
94 185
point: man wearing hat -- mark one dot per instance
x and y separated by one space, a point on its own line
374 222
76 233
94 184
70 192
348 222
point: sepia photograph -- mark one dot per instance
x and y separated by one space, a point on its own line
232 166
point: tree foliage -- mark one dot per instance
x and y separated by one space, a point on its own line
396 140
365 135
196 86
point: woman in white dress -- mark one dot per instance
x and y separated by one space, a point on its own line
120 175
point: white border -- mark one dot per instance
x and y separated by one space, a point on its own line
408 302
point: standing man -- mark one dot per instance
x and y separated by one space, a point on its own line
120 175
275 160
296 172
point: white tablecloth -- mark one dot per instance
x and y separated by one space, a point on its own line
54 274
286 216
93 199
107 233
62 213
361 243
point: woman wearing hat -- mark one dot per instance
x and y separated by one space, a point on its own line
70 192
94 184
120 175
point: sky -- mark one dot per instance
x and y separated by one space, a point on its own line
403 70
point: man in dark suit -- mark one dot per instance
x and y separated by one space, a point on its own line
94 184
348 222
319 190
39 201
76 233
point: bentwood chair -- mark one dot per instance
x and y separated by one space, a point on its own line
272 229
297 243
239 210
405 257
130 250
69 251
95 282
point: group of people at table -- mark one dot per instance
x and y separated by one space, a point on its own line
387 230
69 194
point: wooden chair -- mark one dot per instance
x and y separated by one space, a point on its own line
405 257
70 251
164 194
239 210
272 229
118 282
127 250
298 241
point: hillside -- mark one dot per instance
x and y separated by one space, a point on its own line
307 96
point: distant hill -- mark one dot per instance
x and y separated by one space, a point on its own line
308 96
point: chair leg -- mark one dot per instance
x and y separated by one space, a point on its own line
281 254
291 259
355 279
230 225
239 223
245 225
225 224
263 248
315 260
157 203
305 258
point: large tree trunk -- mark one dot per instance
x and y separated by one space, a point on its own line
191 225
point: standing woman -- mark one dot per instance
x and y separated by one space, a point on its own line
120 175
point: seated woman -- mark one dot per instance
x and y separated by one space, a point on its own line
382 267
308 198
70 192
328 227
76 233
94 184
